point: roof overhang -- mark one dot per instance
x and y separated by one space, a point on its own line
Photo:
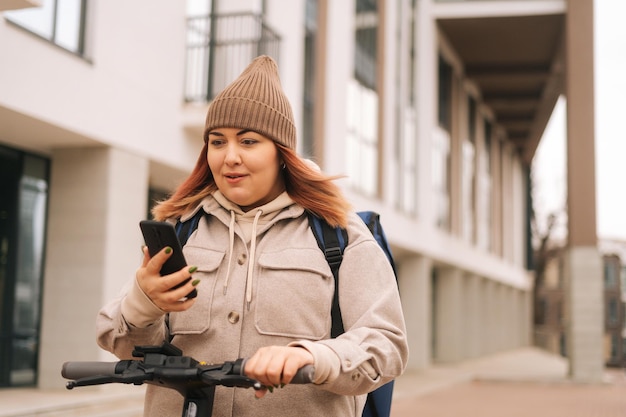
513 52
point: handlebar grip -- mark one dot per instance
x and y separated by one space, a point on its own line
77 370
303 376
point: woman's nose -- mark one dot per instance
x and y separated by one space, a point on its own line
232 155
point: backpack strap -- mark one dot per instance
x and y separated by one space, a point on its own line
186 228
372 221
332 241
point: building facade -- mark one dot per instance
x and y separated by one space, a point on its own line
550 331
432 109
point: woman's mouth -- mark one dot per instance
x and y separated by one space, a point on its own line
233 178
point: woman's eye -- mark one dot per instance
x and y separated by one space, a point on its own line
249 141
216 142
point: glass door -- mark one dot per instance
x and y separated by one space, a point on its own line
23 201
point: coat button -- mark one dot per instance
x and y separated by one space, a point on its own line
233 317
356 376
242 259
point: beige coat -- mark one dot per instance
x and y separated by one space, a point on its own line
270 285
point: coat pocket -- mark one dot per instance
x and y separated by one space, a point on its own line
197 319
294 294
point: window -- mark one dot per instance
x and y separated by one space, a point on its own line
362 141
220 46
445 95
406 143
310 21
62 22
469 172
440 171
613 312
610 274
615 346
365 43
484 195
362 152
440 164
23 201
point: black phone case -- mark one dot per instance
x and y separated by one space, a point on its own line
157 236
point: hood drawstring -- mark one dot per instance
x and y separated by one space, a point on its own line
263 215
250 276
253 238
231 238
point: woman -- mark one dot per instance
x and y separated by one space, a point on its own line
264 287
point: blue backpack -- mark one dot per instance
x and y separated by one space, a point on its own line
332 241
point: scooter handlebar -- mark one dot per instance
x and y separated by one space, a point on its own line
303 376
86 369
89 369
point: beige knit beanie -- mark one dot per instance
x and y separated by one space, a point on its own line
255 101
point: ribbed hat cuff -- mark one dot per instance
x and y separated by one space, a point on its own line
246 113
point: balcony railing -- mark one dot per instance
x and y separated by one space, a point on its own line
219 47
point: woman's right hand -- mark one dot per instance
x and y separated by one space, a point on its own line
159 288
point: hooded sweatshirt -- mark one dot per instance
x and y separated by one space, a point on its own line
264 281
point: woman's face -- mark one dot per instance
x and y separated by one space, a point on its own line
245 166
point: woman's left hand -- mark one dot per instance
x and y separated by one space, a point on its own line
274 366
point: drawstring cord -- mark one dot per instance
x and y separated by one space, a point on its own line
251 260
231 237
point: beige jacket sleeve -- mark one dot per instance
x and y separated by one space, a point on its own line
130 320
374 349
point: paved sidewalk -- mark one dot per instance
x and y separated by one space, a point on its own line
527 382
522 383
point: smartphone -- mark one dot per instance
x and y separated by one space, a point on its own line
157 236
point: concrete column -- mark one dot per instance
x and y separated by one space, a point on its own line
514 317
584 294
505 323
489 313
527 308
414 278
449 313
473 316
584 314
481 332
522 335
499 317
98 196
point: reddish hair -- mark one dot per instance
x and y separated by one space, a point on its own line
305 185
313 190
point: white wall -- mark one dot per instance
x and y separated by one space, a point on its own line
128 94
